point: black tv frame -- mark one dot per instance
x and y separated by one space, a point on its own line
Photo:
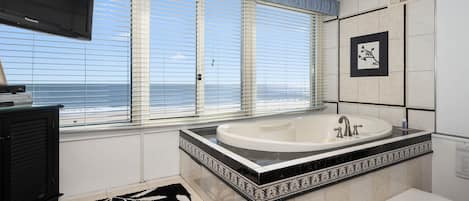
42 26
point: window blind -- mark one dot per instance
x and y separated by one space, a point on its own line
222 52
90 78
172 58
285 60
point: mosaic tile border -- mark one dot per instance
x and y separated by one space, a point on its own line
305 182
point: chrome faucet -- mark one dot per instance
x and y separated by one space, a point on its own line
347 131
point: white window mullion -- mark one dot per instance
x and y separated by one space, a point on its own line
200 83
316 73
141 61
249 57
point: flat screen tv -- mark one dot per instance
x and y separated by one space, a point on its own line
70 18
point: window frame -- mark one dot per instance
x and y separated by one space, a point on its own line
140 68
248 68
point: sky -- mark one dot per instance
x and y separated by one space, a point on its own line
282 52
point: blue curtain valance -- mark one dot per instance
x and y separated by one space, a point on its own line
328 7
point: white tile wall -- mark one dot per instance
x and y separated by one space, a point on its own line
390 88
421 53
330 60
421 89
368 89
348 7
348 108
348 88
419 119
419 65
331 108
420 16
159 160
91 165
393 115
385 89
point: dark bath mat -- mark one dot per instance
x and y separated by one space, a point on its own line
173 192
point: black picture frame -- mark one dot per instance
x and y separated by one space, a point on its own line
382 69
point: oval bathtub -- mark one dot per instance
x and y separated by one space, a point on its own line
301 134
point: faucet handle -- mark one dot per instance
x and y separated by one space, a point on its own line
355 129
339 132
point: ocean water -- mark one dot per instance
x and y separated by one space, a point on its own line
116 95
106 103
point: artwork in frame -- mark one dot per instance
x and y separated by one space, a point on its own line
369 55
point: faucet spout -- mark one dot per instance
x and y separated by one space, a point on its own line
348 131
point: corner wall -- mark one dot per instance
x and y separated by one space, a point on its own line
408 91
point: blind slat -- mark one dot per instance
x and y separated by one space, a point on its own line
92 82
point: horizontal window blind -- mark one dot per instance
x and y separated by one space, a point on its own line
284 60
90 78
172 58
222 51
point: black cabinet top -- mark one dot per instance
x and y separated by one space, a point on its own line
20 108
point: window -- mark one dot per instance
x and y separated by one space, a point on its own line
192 60
222 51
172 58
284 57
90 78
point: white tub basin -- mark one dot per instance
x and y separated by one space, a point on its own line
301 134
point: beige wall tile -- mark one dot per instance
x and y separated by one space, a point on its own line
330 87
392 20
365 5
331 108
348 7
396 55
420 17
312 196
368 23
344 60
424 120
393 115
338 192
391 89
348 88
330 61
348 108
421 53
330 34
368 89
420 89
368 110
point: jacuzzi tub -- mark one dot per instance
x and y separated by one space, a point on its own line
301 134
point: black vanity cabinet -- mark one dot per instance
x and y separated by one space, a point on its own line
29 144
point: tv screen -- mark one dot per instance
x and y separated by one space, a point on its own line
70 18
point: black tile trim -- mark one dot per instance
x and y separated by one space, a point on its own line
354 176
295 170
214 173
233 164
331 20
421 109
336 105
363 13
294 186
451 135
279 174
365 103
405 56
405 62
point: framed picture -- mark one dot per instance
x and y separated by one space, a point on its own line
369 55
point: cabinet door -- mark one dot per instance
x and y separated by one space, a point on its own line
3 162
32 145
